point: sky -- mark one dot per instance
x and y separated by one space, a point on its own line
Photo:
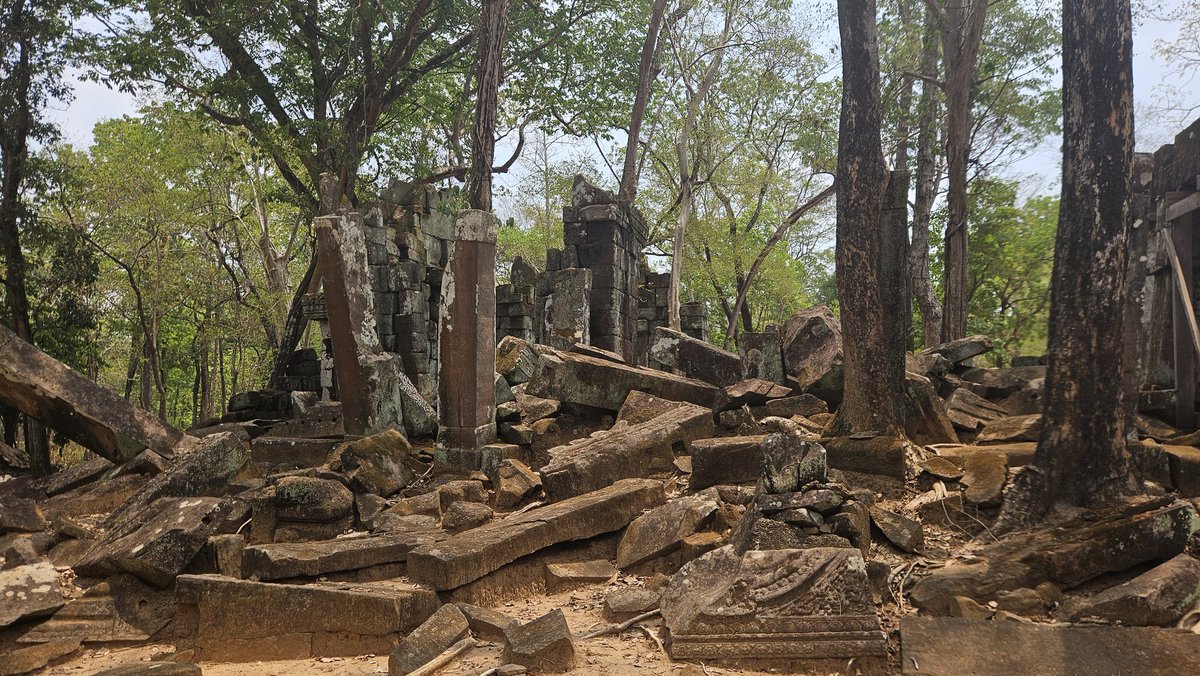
1039 171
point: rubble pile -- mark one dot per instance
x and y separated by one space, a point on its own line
699 496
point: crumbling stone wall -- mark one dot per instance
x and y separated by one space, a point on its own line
653 311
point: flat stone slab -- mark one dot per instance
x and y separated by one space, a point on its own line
580 379
625 451
232 620
281 561
29 591
726 460
783 604
473 554
941 646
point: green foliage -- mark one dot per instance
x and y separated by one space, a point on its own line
1011 256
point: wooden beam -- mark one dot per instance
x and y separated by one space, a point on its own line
1184 322
1183 207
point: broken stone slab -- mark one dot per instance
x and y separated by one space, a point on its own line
804 404
99 419
475 553
29 591
153 669
1067 554
925 417
566 310
461 490
119 609
204 472
534 408
881 456
663 528
100 497
754 392
560 576
376 464
1008 430
20 515
695 358
622 603
157 542
985 475
624 451
900 530
812 345
312 500
789 462
33 658
1016 454
73 477
1004 382
485 622
939 645
229 620
516 360
588 381
1158 597
460 516
1184 462
544 645
290 451
446 626
726 460
941 468
786 604
969 411
762 354
281 561
513 482
958 351
19 552
11 458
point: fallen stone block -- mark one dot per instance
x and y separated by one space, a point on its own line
33 658
939 645
290 451
281 561
804 404
516 360
560 576
588 381
812 345
1185 469
1002 383
153 669
969 411
475 553
119 609
485 622
312 500
446 626
694 358
790 462
1158 597
20 552
662 529
958 351
460 516
881 456
623 603
29 591
73 477
204 472
99 419
100 497
1008 430
985 475
513 482
544 645
230 620
726 460
20 515
1016 454
787 604
461 490
925 418
157 542
900 530
762 354
622 452
1067 554
376 464
755 392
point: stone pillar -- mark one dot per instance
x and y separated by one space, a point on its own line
467 342
762 354
566 313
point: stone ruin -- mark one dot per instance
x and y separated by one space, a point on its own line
648 496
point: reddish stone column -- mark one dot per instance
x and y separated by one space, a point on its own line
467 342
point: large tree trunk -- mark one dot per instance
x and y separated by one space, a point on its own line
874 353
927 181
16 124
1081 457
492 24
962 32
629 177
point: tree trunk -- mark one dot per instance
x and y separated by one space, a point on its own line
492 24
962 32
927 181
629 176
874 354
1081 457
15 128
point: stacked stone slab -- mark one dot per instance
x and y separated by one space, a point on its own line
652 311
606 237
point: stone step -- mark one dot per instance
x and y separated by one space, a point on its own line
282 561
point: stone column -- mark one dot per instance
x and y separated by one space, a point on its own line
467 342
